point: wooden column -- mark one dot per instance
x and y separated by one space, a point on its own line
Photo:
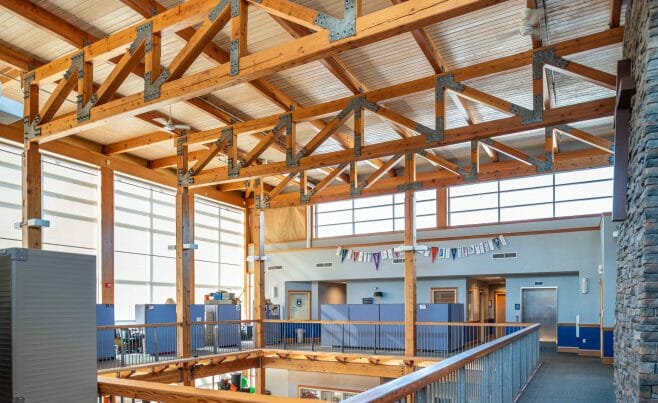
32 236
409 257
259 283
184 259
442 207
107 235
192 265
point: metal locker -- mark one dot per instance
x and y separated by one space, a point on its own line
47 326
105 338
391 337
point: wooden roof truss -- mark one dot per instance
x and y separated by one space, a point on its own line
317 36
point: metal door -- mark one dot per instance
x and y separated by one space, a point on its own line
539 305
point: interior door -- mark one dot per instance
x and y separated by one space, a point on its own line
299 305
500 307
539 305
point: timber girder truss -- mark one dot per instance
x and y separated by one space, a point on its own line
298 161
164 85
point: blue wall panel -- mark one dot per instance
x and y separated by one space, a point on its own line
608 343
391 337
363 336
333 335
590 338
105 338
566 336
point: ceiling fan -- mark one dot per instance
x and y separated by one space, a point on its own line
169 123
529 24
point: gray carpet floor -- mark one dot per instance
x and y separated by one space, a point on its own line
566 377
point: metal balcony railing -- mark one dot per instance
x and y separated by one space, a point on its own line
496 371
129 345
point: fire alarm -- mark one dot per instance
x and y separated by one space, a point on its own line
108 285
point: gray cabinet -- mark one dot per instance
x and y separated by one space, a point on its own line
47 326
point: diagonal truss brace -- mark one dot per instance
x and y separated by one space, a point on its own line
339 28
355 104
542 165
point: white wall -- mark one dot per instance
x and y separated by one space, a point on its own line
560 258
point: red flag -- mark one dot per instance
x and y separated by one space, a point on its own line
435 250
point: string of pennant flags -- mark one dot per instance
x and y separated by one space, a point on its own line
490 245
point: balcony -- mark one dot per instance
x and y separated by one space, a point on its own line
453 361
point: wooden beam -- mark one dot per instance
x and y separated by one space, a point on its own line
107 235
32 177
584 137
441 162
57 98
334 367
119 73
510 151
588 74
378 174
565 161
442 207
135 143
553 117
330 178
17 58
289 11
196 44
42 18
409 256
184 259
158 392
615 13
371 27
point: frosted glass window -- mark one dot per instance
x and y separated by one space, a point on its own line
334 230
477 188
126 296
526 212
474 217
161 293
132 267
542 196
467 203
371 214
70 203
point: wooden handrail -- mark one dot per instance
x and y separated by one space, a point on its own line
166 393
319 322
401 387
398 323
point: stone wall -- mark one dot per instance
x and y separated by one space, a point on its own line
636 330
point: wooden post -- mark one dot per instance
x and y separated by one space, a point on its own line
32 236
192 265
184 259
259 283
107 235
442 207
410 258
